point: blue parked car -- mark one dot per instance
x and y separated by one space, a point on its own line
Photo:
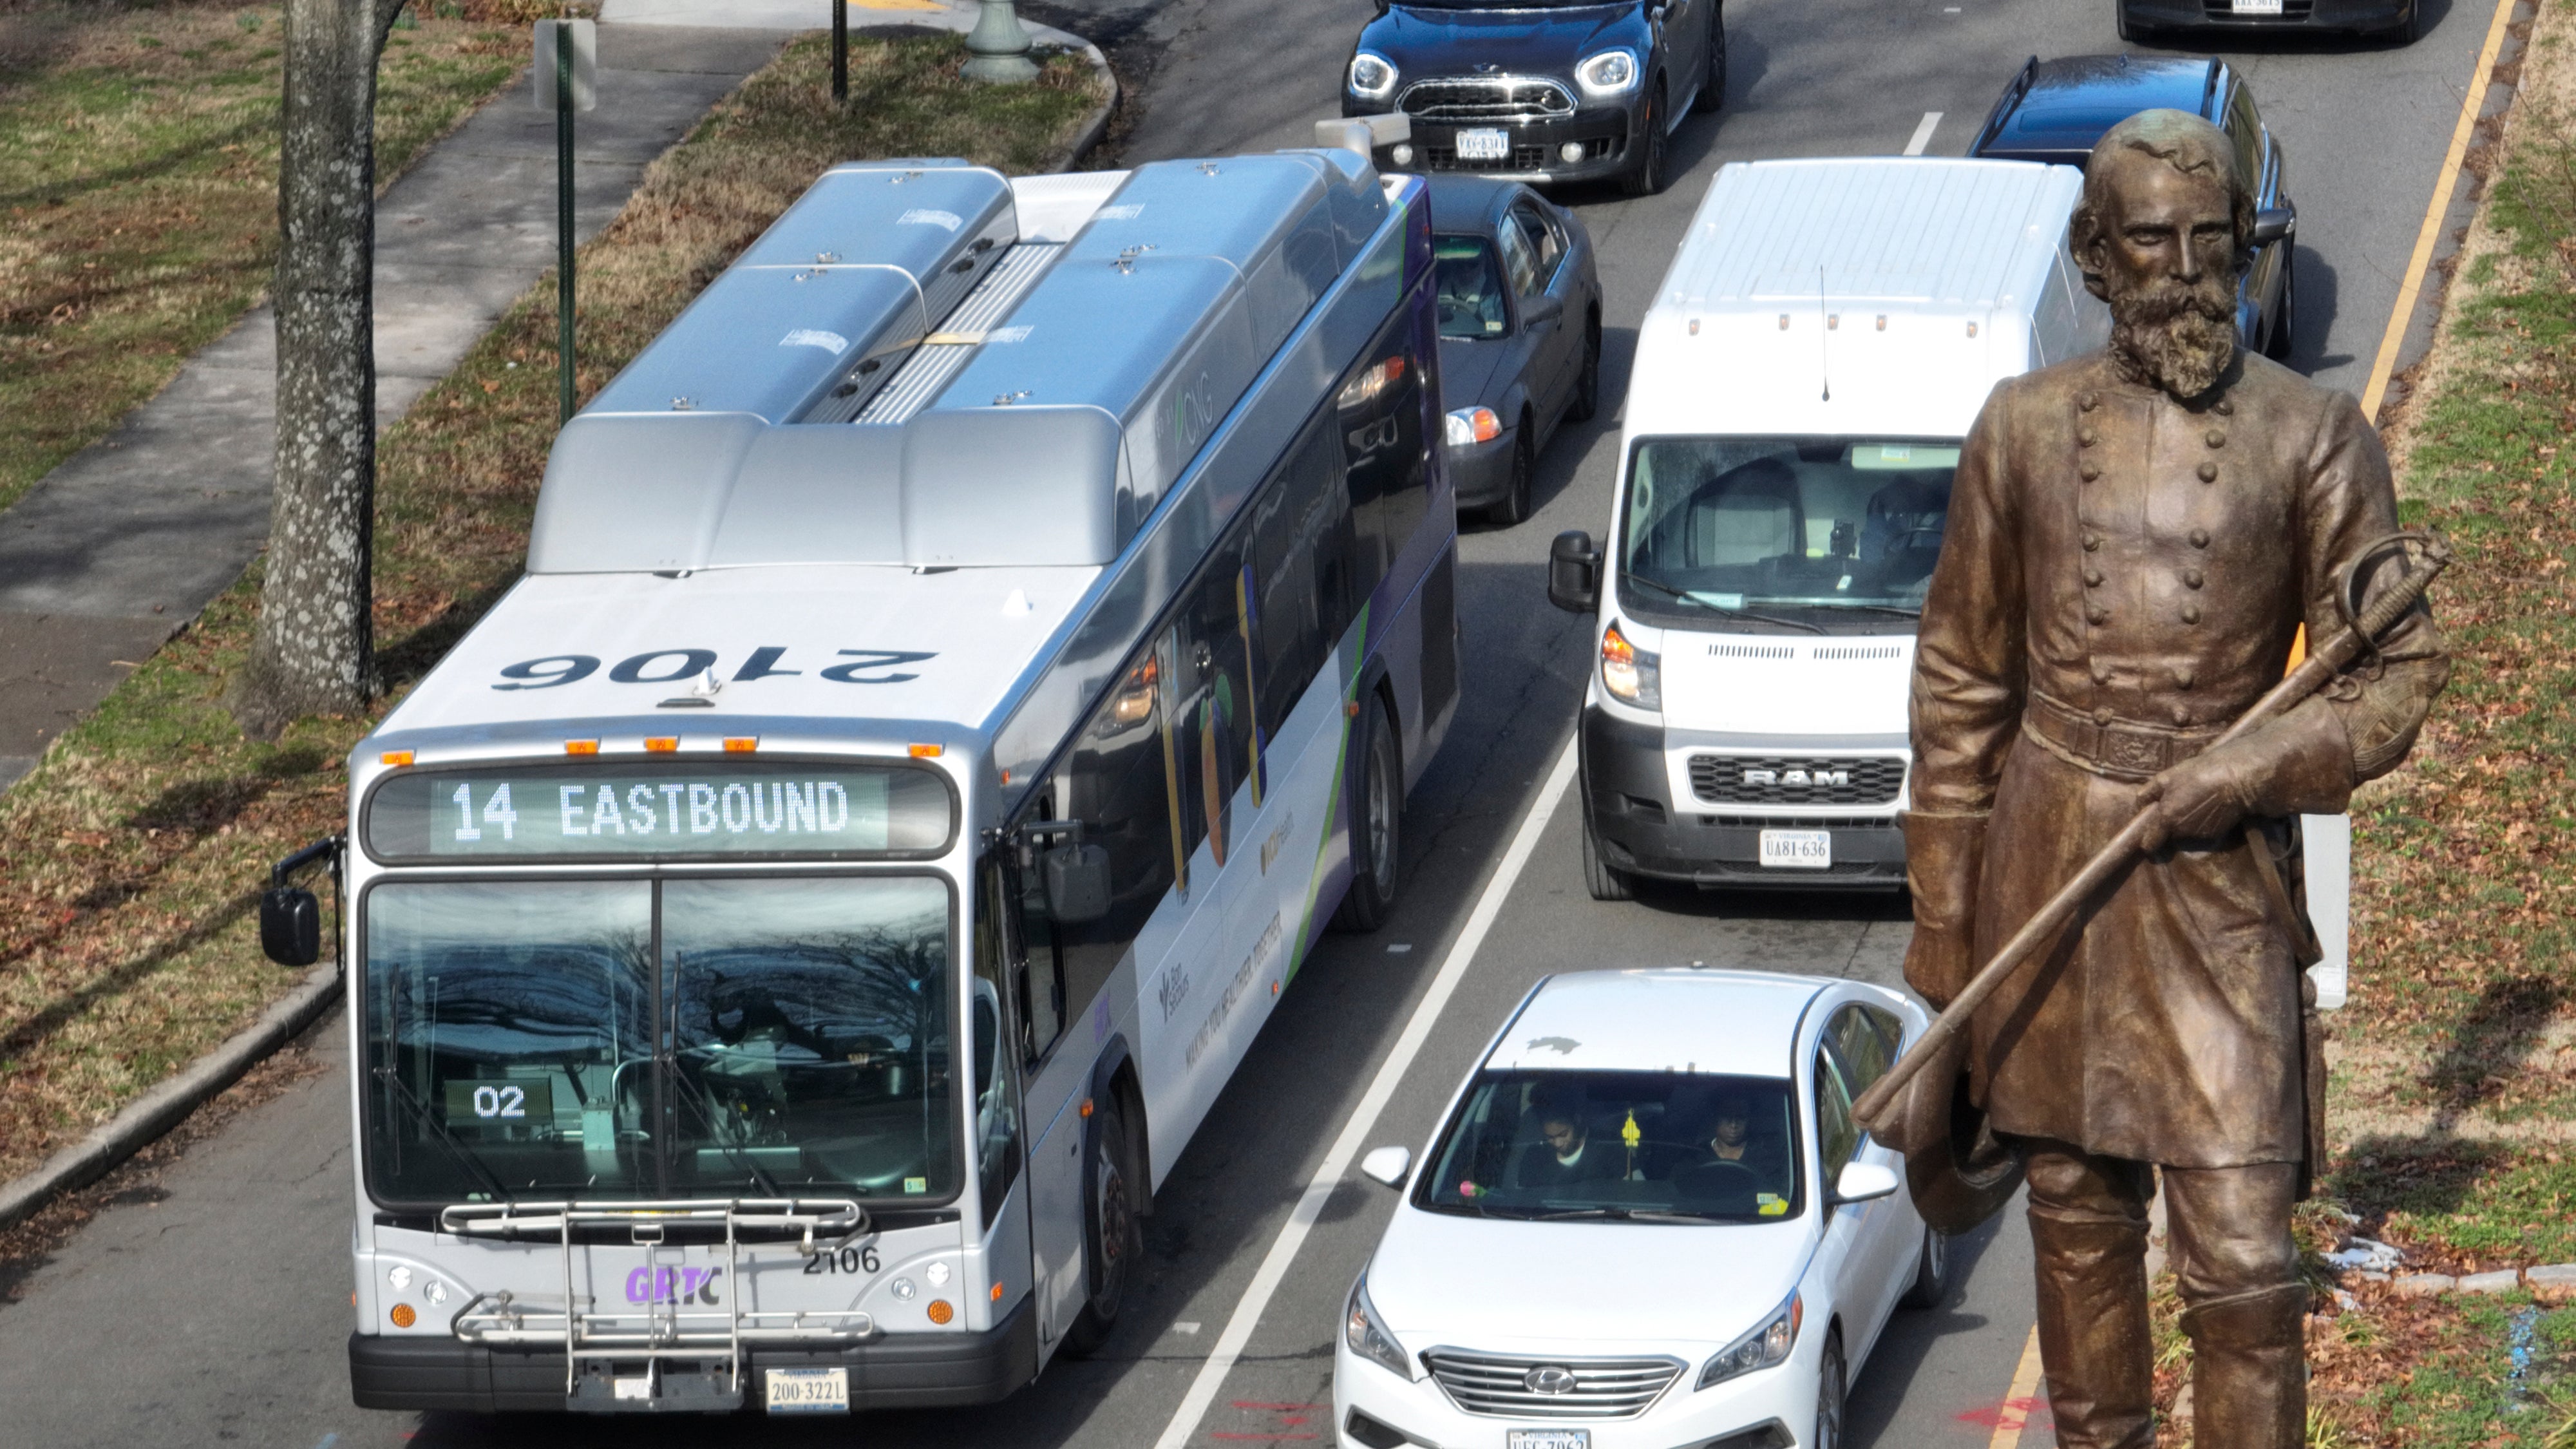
2055 110
1539 90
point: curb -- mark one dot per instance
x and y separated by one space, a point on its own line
2552 1282
165 1106
1098 125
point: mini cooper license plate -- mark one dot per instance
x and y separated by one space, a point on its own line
1547 1439
1797 849
2256 7
1484 145
807 1390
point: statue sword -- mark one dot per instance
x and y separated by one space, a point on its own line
1883 1109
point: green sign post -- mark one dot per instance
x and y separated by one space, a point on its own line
566 80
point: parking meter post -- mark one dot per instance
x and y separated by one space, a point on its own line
998 47
563 223
840 50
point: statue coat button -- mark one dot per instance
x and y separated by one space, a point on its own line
2191 578
2191 613
2181 715
2092 578
2214 438
2092 542
2183 678
2103 716
2087 401
2088 437
2200 538
2096 614
2089 472
2209 472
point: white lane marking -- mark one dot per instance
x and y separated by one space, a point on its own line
1923 133
1363 1119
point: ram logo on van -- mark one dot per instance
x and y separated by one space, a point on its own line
1797 777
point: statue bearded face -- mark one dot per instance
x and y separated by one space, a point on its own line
2164 246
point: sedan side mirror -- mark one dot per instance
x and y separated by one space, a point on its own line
1387 1165
1574 573
1538 311
1863 1182
2275 224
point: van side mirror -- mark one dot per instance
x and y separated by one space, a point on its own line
2275 224
1387 1165
1076 879
1863 1182
290 926
1574 573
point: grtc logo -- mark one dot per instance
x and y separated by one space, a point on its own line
672 1285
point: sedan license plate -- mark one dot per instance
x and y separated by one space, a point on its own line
1797 849
2257 7
808 1390
1547 1439
1484 145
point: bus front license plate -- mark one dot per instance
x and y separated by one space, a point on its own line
2257 7
1547 1439
1484 145
1797 849
808 1390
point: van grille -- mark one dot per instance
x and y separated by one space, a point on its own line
1463 100
1499 1386
1791 780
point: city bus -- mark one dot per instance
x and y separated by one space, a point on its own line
961 668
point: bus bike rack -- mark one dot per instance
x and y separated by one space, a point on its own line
655 1331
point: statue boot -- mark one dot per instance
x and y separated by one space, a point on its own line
2094 1341
2249 1369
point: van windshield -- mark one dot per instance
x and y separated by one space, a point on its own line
1789 527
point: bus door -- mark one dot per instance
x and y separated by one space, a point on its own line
1056 1073
995 1024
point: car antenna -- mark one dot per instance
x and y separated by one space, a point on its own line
1824 339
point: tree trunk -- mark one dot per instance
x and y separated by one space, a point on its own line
315 652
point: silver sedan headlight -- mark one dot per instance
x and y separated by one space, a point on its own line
1368 1338
1372 77
1611 73
1760 1349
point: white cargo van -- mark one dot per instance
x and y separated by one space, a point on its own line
1803 381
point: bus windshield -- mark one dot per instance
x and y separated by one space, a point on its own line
1784 526
804 1025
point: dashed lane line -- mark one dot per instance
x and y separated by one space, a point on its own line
1923 133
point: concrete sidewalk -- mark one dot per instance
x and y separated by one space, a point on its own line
121 545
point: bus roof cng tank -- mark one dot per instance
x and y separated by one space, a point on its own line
815 315
1044 434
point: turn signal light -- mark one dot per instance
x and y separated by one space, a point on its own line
661 744
997 1292
403 1316
941 1311
927 752
395 757
741 744
581 747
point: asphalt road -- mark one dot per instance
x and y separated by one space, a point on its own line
217 1312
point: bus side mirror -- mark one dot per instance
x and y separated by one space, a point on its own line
1574 573
1077 882
290 926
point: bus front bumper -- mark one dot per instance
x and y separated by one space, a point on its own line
893 1371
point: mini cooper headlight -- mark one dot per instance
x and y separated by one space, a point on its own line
1760 1349
1368 1338
1372 76
1611 73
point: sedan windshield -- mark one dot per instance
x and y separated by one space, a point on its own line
803 1023
1471 290
1641 1146
1794 525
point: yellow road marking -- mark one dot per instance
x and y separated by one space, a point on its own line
2431 231
2025 1383
907 5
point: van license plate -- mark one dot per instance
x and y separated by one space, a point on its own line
1484 145
808 1390
1547 1439
2257 7
1797 849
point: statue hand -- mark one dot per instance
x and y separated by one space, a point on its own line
2205 796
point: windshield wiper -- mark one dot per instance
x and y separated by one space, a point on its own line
697 1097
1687 597
1896 609
473 1161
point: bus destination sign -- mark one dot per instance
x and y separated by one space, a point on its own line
547 811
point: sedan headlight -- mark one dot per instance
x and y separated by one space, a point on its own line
1611 73
1760 1349
1632 675
1470 426
1368 1338
1372 76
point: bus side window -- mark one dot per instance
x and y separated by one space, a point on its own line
1037 975
1301 545
1383 428
1216 718
997 1095
1113 783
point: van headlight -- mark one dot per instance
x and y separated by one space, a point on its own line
1611 73
1633 676
1372 76
1760 1349
1368 1338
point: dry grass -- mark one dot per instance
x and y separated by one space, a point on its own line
129 858
138 175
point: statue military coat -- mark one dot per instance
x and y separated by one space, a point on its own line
2122 575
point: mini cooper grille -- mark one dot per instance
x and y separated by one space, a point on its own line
1494 98
1504 1388
1784 780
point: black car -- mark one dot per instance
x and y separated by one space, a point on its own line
2056 110
1520 333
1539 90
2392 20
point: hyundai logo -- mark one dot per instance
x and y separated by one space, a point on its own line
1550 1379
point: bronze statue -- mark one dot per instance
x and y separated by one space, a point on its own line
2135 538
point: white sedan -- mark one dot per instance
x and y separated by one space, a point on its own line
1648 1220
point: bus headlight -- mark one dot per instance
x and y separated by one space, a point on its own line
1372 76
1763 1347
1611 73
1633 676
1368 1338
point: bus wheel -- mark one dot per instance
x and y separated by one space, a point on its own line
1111 1241
1377 814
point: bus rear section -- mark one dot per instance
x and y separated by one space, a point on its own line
956 671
